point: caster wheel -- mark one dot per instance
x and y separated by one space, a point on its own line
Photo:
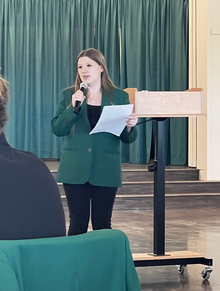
181 269
206 273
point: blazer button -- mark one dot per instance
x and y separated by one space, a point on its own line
89 150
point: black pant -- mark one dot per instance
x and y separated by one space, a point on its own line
78 199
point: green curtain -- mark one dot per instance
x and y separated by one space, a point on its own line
145 43
155 58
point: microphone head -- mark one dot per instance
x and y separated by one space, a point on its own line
83 85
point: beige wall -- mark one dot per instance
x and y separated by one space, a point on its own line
213 90
204 72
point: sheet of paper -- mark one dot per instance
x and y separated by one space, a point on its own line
112 119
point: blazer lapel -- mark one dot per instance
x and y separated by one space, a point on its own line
84 112
106 101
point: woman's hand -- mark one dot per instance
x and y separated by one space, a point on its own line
131 120
78 96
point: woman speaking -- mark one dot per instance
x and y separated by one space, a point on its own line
90 164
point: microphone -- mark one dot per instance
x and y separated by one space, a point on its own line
83 87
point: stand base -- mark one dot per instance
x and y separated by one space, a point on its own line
173 258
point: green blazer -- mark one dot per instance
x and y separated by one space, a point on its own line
89 158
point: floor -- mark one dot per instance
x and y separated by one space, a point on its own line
191 225
196 230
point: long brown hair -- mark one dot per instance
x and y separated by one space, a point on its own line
96 56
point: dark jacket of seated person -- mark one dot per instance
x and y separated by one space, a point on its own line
30 202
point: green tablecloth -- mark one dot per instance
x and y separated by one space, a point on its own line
97 261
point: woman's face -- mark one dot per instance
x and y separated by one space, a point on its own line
89 71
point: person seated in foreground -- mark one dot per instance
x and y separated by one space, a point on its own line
30 202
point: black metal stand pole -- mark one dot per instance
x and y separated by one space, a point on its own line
159 192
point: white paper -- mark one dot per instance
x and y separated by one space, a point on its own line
112 119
